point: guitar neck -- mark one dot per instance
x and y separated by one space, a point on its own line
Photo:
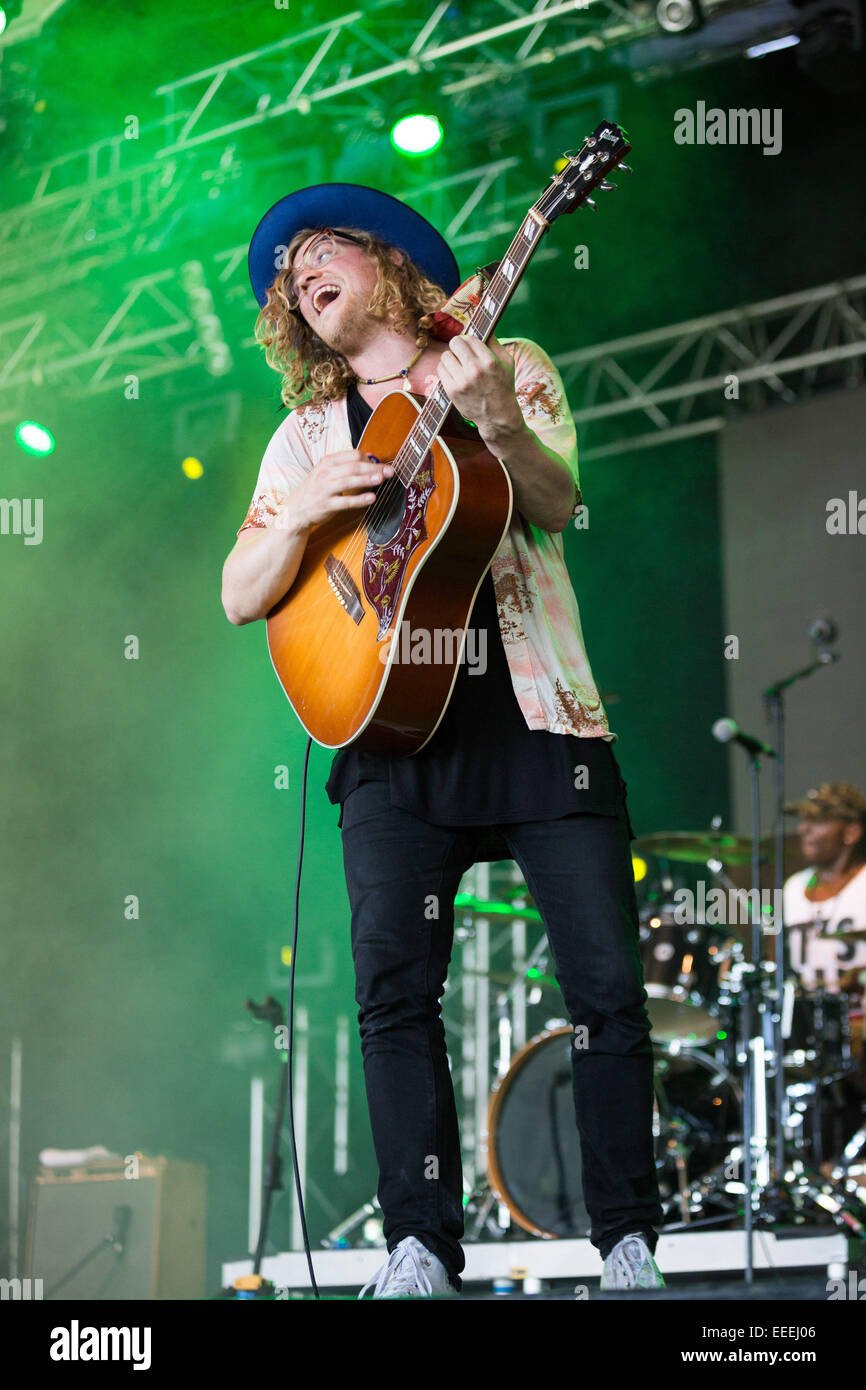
482 322
580 175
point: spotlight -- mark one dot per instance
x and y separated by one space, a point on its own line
417 135
34 438
679 16
8 12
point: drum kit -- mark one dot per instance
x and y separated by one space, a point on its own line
521 1146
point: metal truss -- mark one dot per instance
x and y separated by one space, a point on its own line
90 209
155 330
30 23
685 380
692 378
87 209
161 324
492 192
356 54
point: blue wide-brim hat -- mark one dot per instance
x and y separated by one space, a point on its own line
349 205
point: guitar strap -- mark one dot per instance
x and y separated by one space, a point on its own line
452 318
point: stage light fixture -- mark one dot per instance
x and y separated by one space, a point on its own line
679 16
34 438
8 12
417 134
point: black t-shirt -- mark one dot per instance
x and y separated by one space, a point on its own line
483 766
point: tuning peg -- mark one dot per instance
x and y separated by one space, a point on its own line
591 204
605 186
625 168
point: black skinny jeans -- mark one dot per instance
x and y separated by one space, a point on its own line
401 871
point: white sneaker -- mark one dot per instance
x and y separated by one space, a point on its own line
411 1271
630 1265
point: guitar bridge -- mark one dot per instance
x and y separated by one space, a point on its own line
345 588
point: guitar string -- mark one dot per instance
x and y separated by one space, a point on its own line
391 486
497 283
378 508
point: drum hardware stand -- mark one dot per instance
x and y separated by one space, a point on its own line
678 1150
853 1182
336 1239
756 1175
772 1196
483 1202
853 1149
822 633
272 1012
767 1193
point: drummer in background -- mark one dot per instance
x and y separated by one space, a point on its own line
830 895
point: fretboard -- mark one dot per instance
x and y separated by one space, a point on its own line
482 322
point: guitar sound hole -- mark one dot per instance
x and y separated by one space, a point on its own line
386 513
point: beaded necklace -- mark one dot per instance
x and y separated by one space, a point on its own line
404 373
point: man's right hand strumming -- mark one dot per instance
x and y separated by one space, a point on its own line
262 566
342 480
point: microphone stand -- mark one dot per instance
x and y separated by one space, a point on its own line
774 706
271 1011
754 1087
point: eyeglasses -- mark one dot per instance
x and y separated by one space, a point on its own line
318 253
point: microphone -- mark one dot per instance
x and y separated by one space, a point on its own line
822 632
726 731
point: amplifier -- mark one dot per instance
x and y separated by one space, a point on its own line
97 1232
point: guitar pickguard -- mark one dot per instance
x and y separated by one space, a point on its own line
384 565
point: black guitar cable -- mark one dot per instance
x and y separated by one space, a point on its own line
291 1033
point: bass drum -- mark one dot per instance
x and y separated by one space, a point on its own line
534 1162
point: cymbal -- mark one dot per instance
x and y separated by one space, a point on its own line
532 978
466 902
693 847
741 874
734 851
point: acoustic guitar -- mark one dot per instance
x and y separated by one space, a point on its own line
413 560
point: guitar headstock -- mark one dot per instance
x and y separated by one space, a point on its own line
585 171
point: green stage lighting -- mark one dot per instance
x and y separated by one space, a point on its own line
34 438
8 12
417 135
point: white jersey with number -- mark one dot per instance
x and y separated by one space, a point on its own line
806 920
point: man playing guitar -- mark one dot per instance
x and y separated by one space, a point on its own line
521 764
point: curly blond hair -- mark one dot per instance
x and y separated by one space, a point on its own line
309 368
